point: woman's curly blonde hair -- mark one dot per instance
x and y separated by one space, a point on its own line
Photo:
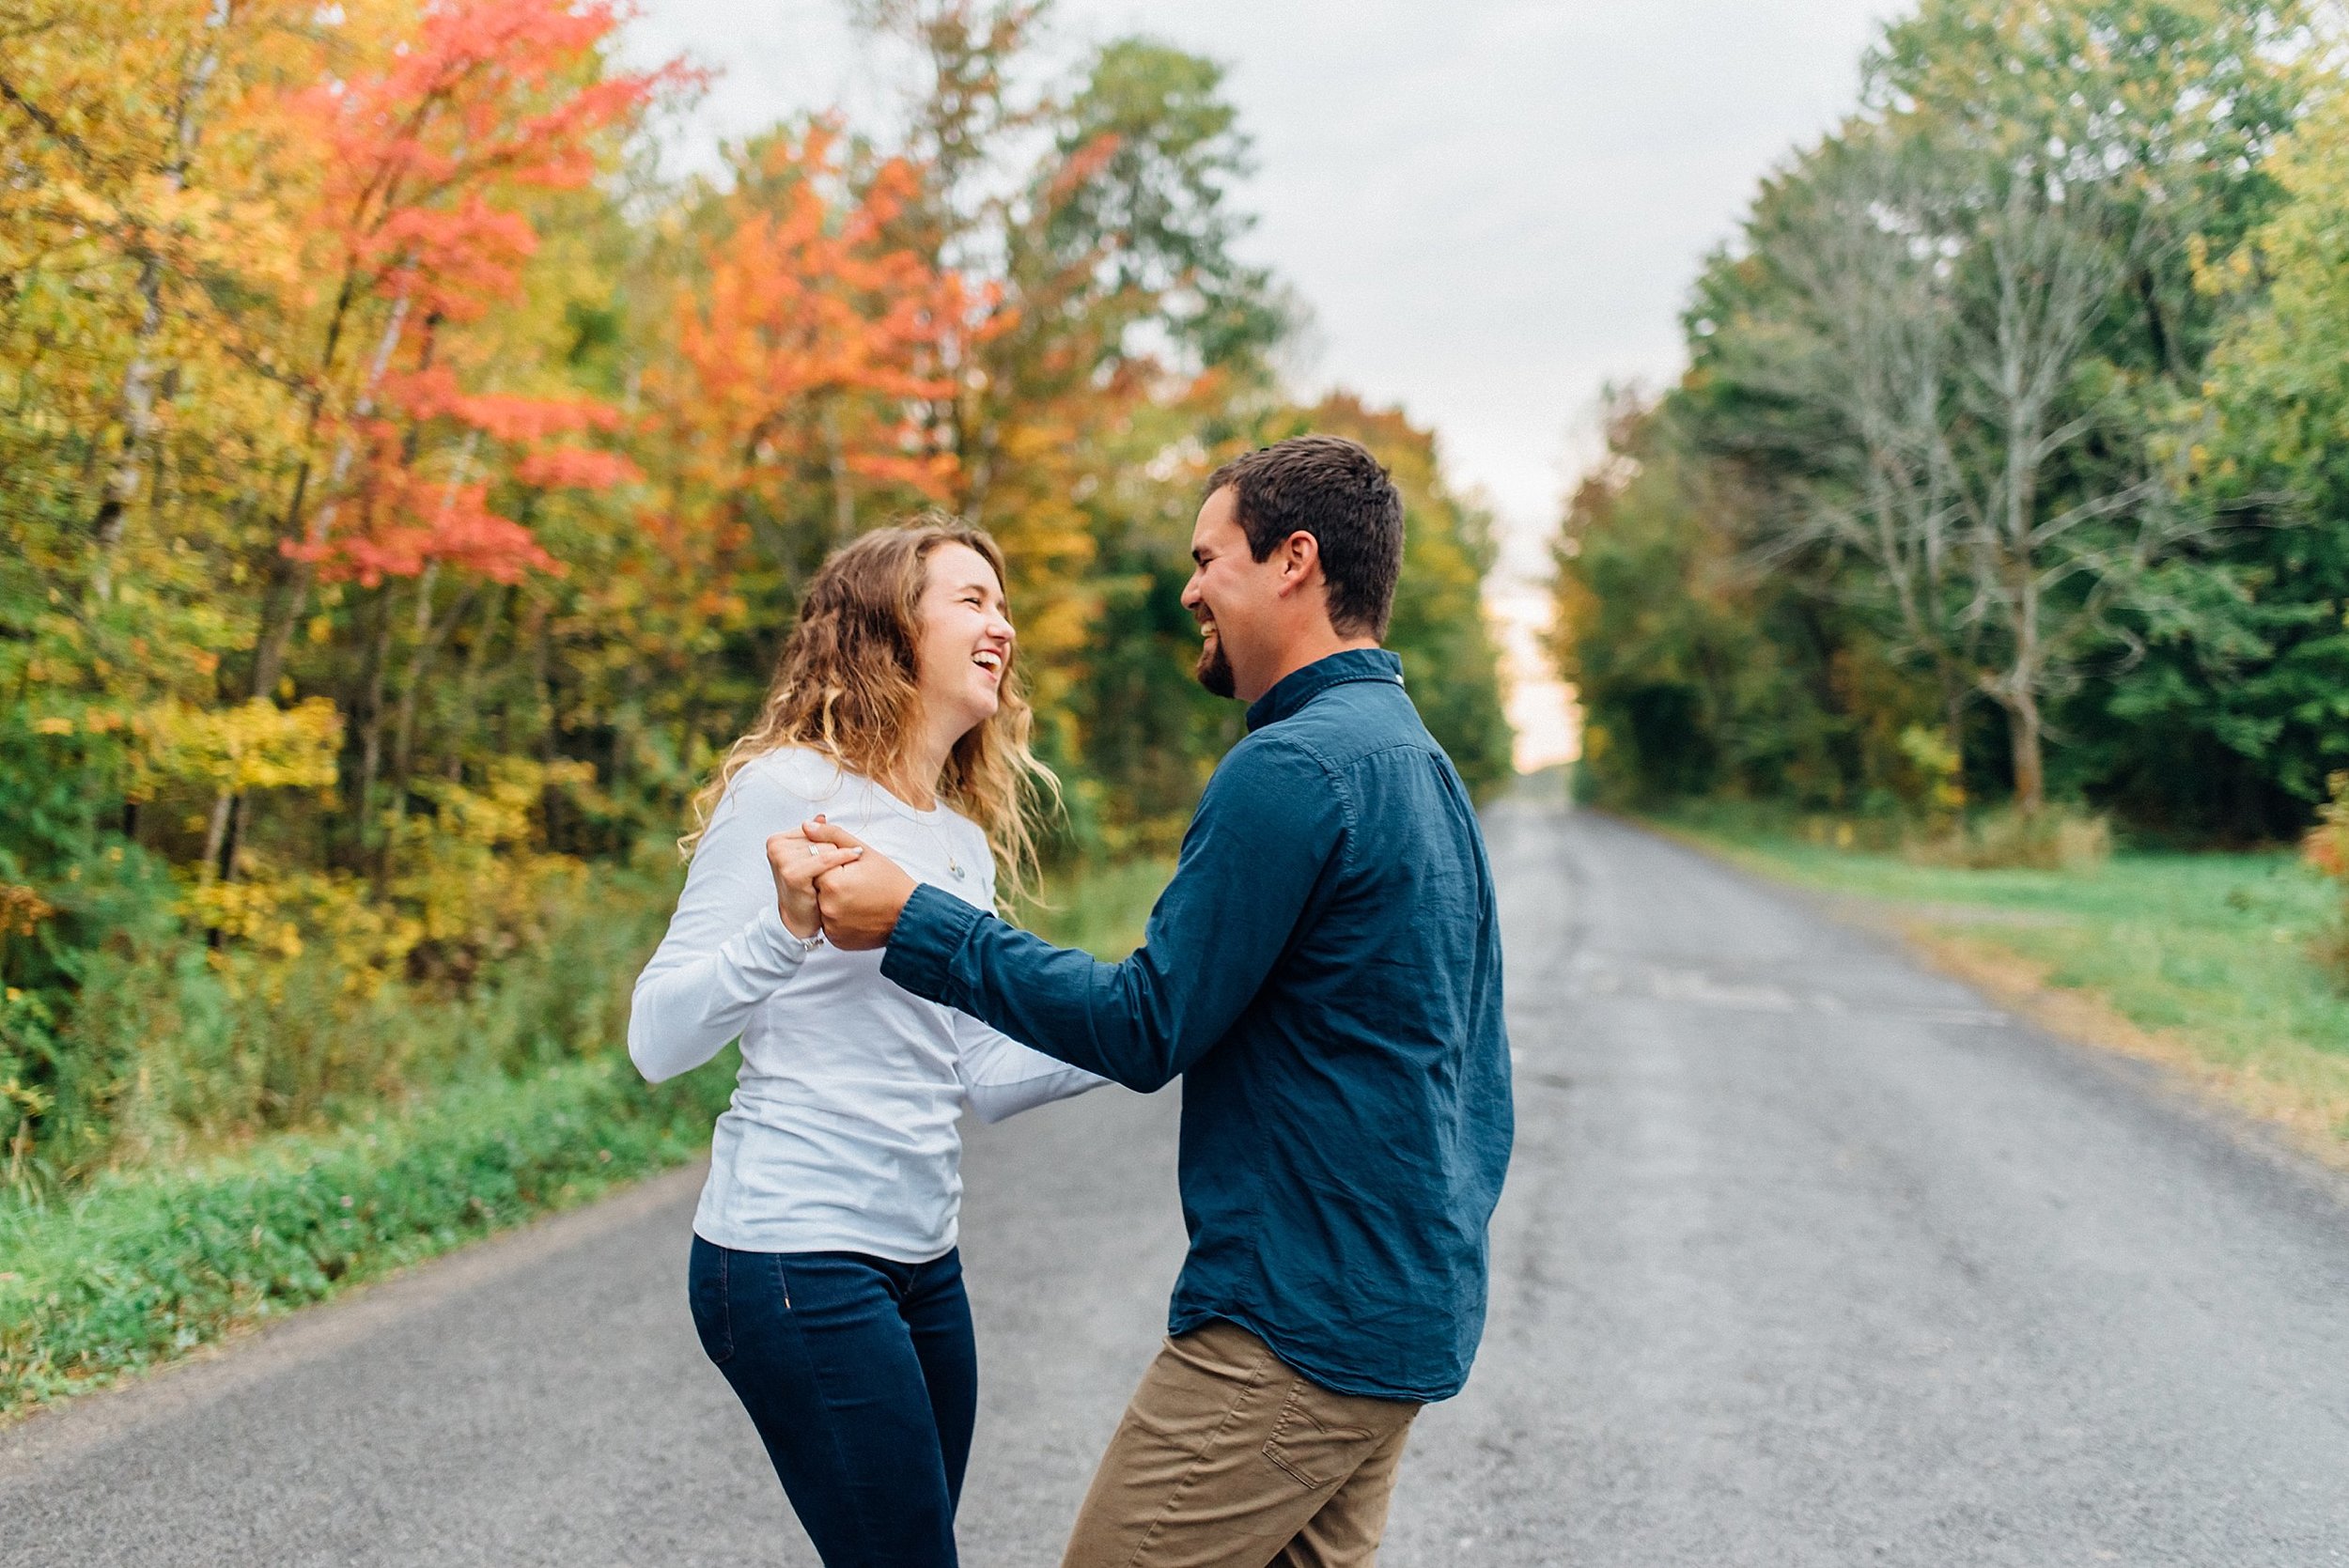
845 686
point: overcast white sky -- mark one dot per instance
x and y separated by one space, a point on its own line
1492 207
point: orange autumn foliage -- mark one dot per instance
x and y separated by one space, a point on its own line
427 165
790 406
815 338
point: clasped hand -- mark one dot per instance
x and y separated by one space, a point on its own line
827 880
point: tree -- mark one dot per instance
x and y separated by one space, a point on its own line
2082 146
807 351
420 230
2256 686
421 234
2056 537
1954 351
1847 339
1122 348
1699 671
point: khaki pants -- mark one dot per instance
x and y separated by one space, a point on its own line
1228 1459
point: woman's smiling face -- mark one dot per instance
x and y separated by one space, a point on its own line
966 635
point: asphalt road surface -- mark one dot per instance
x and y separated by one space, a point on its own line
1807 1257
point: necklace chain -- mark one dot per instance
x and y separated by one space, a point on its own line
954 861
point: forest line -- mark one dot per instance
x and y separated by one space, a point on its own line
2007 466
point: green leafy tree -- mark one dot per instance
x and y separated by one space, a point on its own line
2241 712
1699 669
1954 369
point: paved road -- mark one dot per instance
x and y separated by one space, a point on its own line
1807 1258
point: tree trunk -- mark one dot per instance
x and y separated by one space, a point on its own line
287 608
371 733
2030 772
268 658
430 635
219 853
138 430
842 497
468 685
137 415
1954 726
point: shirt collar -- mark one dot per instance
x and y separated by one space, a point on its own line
1300 687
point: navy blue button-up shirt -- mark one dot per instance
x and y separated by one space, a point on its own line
1325 971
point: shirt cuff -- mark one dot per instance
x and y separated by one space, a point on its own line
765 948
930 931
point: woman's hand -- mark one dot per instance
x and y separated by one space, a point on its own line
797 863
861 907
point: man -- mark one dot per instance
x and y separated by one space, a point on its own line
1325 972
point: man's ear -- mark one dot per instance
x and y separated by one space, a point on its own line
1300 561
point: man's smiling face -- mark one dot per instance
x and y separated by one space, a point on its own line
1229 592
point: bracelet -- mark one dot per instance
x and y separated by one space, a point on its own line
801 946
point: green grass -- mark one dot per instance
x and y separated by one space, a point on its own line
140 1266
1100 909
2220 954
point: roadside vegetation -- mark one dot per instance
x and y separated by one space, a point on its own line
143 1265
1101 910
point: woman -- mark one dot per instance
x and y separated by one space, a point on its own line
824 1278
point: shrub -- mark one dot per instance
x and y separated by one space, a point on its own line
312 1011
138 1266
2054 838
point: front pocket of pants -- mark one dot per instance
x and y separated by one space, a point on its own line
1311 1447
712 1318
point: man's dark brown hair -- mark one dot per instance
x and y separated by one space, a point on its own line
1334 490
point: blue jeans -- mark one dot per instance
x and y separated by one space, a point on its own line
862 1379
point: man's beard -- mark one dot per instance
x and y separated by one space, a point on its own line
1214 671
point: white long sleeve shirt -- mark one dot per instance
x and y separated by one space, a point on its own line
841 1135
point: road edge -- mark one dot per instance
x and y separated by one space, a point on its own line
2252 1108
254 1350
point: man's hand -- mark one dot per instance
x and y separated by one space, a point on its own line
796 863
860 899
